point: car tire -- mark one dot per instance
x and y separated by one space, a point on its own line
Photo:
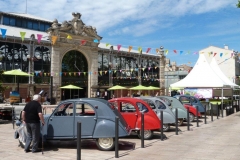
105 144
148 134
166 127
191 117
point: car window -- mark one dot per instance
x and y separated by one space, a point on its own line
127 107
193 99
160 105
142 107
184 99
151 104
167 101
84 109
64 109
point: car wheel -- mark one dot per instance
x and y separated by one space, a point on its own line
147 134
180 122
166 127
191 117
105 144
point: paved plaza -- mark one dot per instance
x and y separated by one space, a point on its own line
215 140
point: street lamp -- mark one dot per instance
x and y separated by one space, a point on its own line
31 64
139 68
161 69
110 66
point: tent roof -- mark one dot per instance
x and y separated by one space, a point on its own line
202 75
220 74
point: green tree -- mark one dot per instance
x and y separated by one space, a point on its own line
238 4
2 89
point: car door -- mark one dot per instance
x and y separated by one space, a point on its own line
60 123
129 112
86 114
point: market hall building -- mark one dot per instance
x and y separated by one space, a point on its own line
71 53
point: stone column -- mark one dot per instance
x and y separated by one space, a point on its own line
162 71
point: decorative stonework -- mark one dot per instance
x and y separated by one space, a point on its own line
74 26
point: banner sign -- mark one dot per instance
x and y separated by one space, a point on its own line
199 92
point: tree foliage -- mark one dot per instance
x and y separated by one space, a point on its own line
238 4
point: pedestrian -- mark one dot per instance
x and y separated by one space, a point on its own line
31 115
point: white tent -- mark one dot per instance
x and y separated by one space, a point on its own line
202 75
220 74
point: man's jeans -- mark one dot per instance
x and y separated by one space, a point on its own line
33 134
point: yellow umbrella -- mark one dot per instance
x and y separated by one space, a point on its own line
117 87
139 87
70 86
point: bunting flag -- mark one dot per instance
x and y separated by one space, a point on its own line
83 42
166 52
119 46
129 48
3 31
95 41
148 50
195 52
54 39
221 54
22 35
214 54
157 50
39 37
79 73
107 44
175 51
69 37
139 49
181 52
209 53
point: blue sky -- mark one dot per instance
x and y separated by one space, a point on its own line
182 25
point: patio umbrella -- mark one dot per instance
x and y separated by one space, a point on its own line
139 87
117 87
16 72
153 88
70 86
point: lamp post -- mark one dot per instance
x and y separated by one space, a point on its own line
110 66
31 65
139 68
161 70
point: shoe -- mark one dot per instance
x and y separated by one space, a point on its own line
26 150
35 151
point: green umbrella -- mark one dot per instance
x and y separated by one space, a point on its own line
16 72
153 88
139 87
117 87
70 86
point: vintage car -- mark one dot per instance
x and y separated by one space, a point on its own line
191 100
192 112
97 117
173 103
159 105
131 109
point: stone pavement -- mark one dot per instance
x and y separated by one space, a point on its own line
216 140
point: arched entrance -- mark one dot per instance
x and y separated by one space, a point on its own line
75 72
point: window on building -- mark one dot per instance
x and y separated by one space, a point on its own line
18 22
24 23
41 28
12 21
6 20
35 25
29 25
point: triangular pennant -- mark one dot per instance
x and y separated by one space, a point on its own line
54 39
69 37
148 50
79 73
181 52
83 42
22 35
157 50
175 51
84 73
166 52
107 44
95 41
221 54
105 72
4 31
214 54
129 48
100 72
118 47
139 49
39 37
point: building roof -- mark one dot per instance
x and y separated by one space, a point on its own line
28 16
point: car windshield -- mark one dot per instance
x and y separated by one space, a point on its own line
151 104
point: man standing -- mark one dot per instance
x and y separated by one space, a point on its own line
32 114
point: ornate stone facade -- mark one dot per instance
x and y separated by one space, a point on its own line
78 31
